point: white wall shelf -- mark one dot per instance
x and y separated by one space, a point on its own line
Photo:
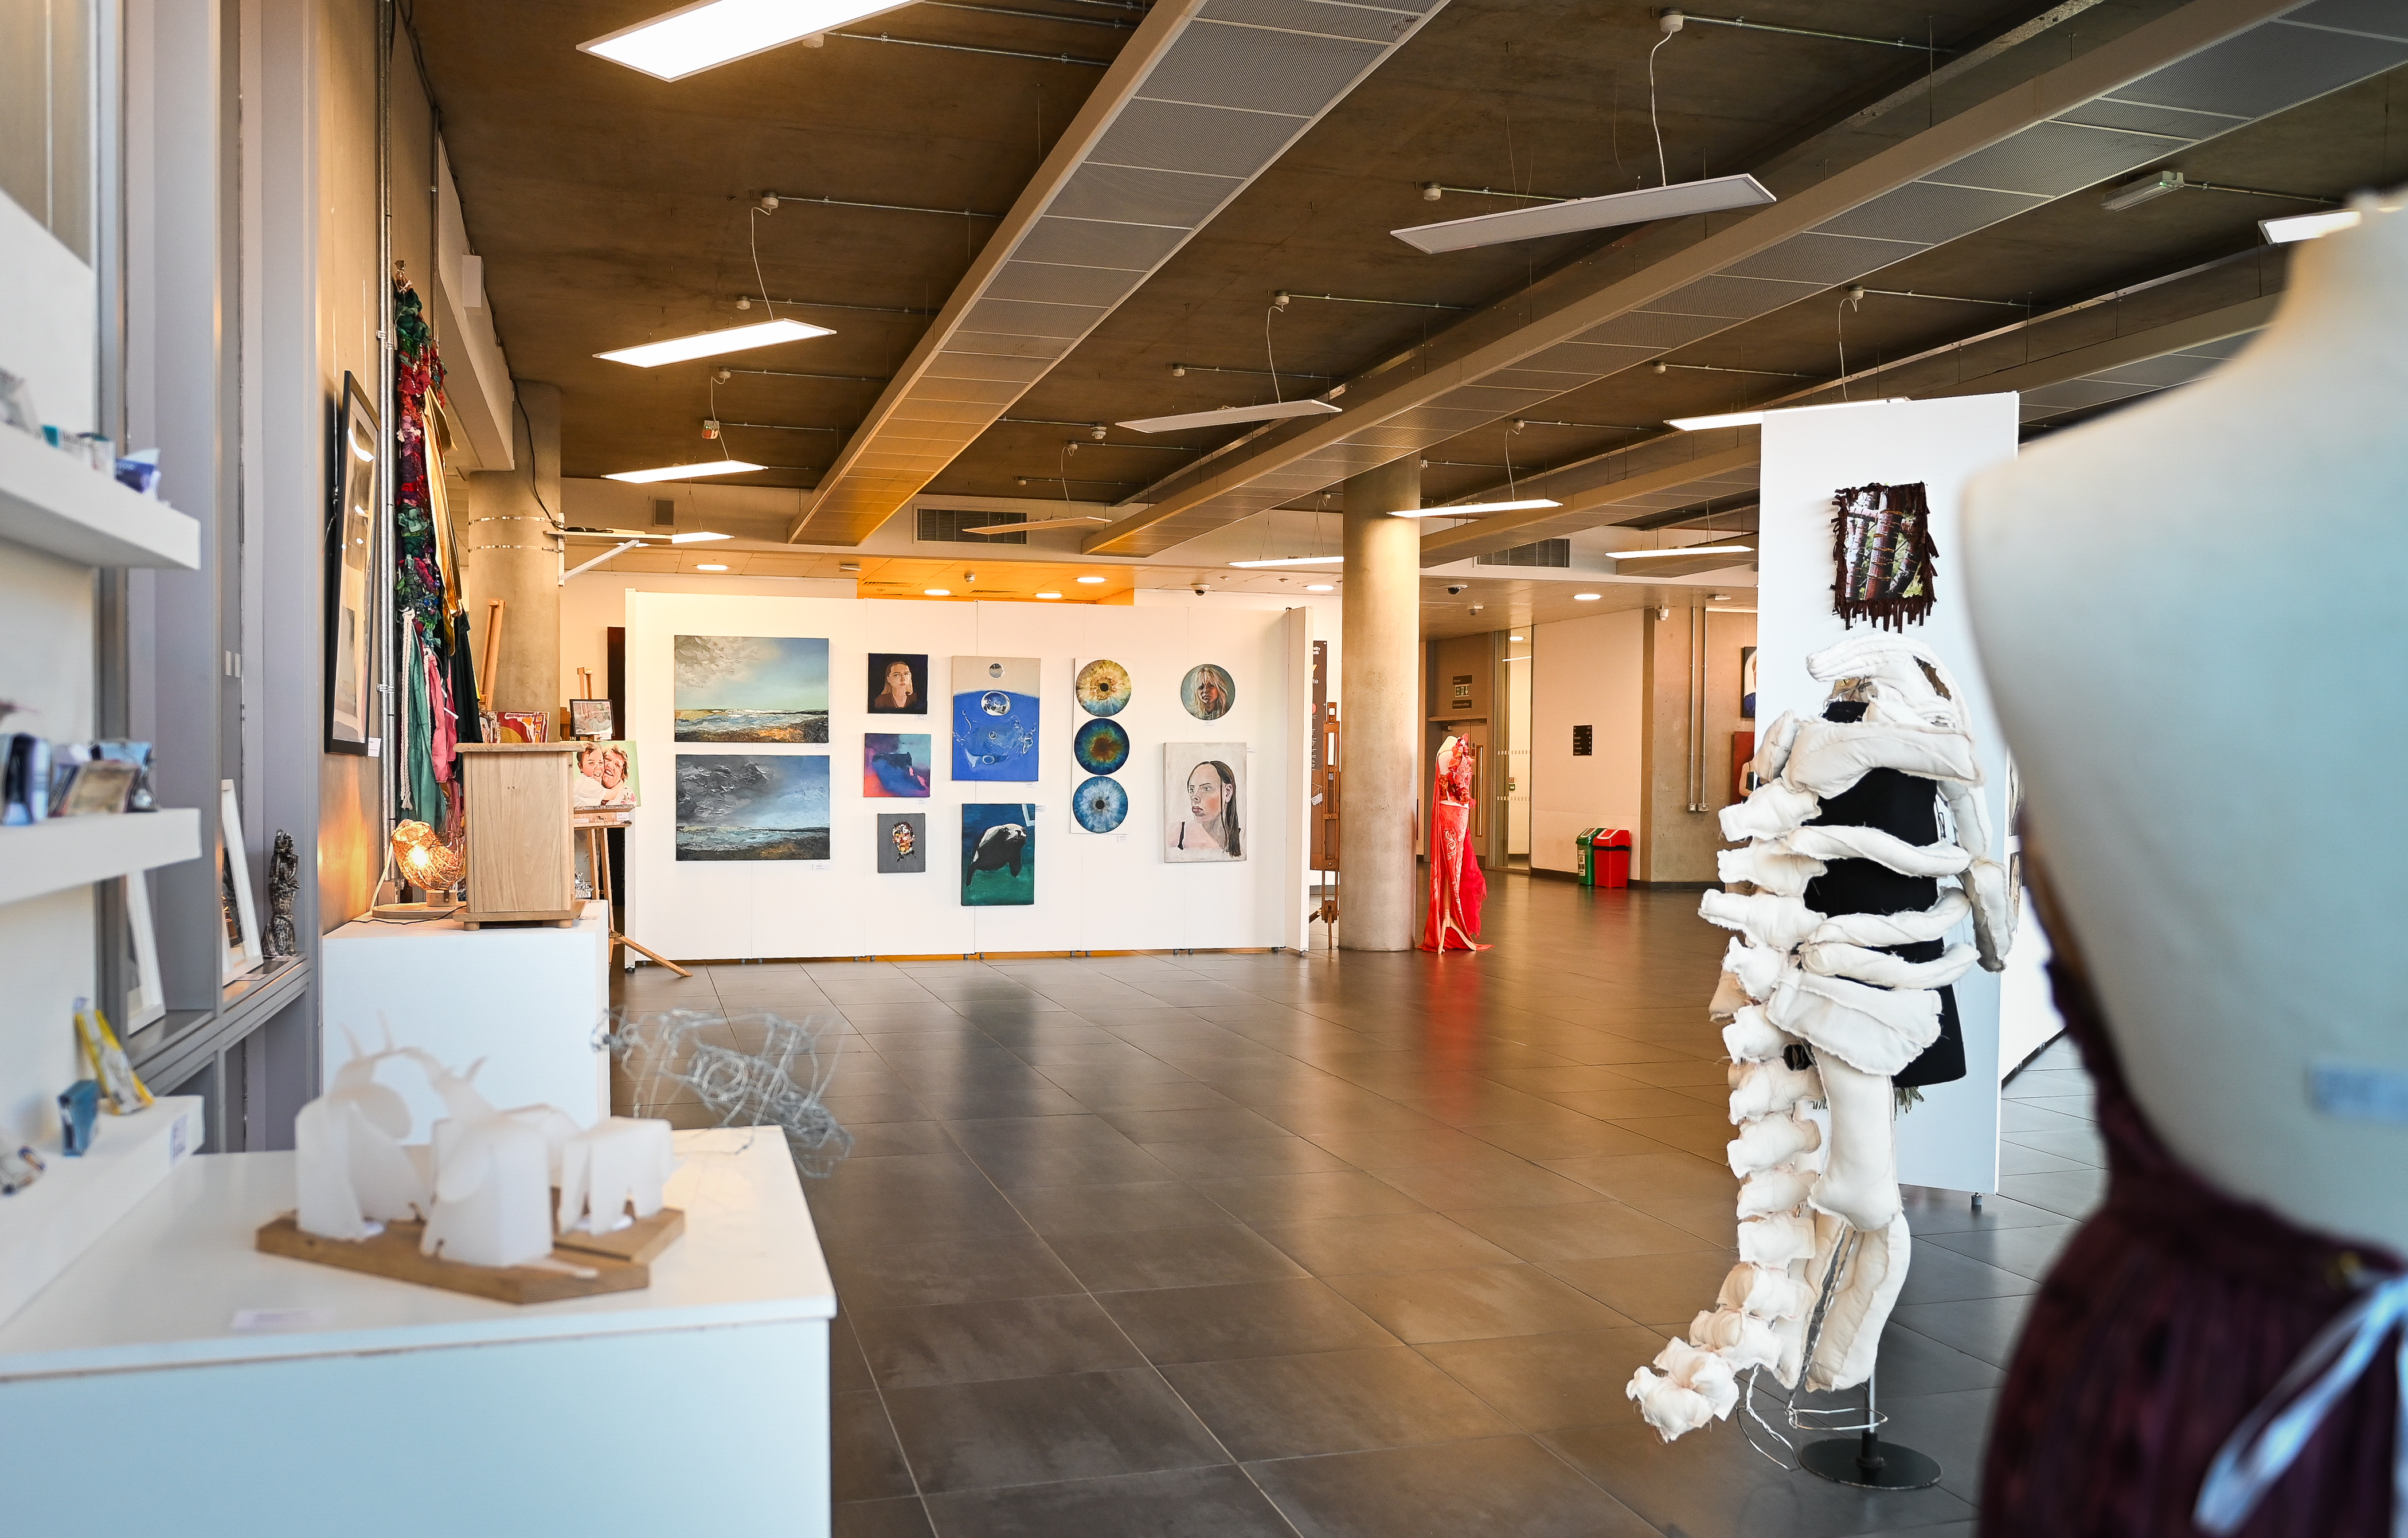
75 851
51 501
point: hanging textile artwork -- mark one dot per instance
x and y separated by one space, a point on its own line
1882 555
1457 887
435 672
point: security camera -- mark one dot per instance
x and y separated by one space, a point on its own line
1454 588
1200 589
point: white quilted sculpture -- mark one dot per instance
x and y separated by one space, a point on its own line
611 1170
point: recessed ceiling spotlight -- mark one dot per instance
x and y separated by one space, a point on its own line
1320 587
1048 595
935 592
1678 201
707 567
1587 597
707 343
676 44
1091 580
687 472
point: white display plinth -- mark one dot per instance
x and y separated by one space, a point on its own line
383 1408
527 999
1950 1141
48 1225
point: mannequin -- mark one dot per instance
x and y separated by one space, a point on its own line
2209 759
1457 887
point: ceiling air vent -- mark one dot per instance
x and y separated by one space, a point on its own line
1544 552
952 526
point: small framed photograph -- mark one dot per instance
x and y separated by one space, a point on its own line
146 997
354 519
590 719
605 776
525 725
243 954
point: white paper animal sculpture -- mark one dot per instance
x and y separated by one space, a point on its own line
354 1175
492 1177
611 1166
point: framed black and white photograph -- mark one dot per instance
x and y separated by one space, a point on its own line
351 524
243 954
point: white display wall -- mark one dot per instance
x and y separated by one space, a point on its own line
1093 891
1950 1140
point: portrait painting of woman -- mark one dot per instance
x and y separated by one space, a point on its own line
1203 802
898 683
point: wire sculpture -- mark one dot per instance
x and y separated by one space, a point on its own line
751 1069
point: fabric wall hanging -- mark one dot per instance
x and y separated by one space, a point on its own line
1882 555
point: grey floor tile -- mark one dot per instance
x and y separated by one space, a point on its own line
1547 1383
1507 1484
2026 1251
1574 1136
2081 1144
1029 1430
1979 1327
1321 1193
848 1370
1117 1209
1913 1363
1474 1303
1653 1288
1713 1481
1187 1257
1073 1164
1402 1241
1936 1275
865 1460
1330 1401
1248 1156
1395 1149
903 1517
1931 1210
1116 1093
1445 1186
1585 1230
1211 1502
1242 1320
879 1276
998 1338
1191 1126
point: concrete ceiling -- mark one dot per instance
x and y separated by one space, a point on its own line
611 209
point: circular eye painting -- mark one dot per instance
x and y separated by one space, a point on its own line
1208 693
1103 688
1100 747
1099 804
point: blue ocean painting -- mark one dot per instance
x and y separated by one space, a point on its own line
995 718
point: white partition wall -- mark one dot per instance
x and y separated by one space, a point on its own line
1093 891
1951 1139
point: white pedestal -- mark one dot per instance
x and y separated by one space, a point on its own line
528 998
44 1227
386 1410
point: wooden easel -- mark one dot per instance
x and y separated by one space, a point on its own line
594 825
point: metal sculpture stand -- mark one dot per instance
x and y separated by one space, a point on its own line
1866 1460
597 856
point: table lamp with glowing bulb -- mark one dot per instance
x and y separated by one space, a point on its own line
421 859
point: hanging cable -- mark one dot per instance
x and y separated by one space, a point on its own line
1272 362
753 238
1663 168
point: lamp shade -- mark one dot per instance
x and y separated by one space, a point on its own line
424 861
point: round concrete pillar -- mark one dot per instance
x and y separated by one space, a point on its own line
1379 891
512 555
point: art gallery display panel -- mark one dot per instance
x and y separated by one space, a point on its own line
763 840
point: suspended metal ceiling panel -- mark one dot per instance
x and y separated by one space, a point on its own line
1204 99
2259 70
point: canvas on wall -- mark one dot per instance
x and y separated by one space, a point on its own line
896 763
752 806
1203 802
605 776
995 718
1208 691
898 683
901 839
999 855
751 688
1747 683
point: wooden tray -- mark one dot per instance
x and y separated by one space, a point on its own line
638 1244
395 1254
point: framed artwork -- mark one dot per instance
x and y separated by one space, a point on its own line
605 776
902 842
1101 746
1101 805
995 718
590 719
146 996
751 688
1208 691
354 517
752 806
898 683
896 763
1747 683
243 954
524 725
1203 802
999 855
1102 688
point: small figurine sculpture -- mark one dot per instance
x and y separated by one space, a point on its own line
612 1173
284 885
355 1176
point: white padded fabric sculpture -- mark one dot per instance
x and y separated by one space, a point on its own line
1809 1202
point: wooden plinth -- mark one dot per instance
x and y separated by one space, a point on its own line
638 1244
395 1254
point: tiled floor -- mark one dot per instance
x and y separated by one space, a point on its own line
1352 1246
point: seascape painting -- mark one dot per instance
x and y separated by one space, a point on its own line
896 763
1203 800
995 718
998 856
752 806
751 688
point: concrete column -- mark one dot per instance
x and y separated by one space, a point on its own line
513 555
1380 887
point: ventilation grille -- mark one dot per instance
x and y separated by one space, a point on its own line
952 526
1544 552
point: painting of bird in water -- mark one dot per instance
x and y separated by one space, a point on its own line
999 855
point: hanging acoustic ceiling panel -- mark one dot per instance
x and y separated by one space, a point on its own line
1205 96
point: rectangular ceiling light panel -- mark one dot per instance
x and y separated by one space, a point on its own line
1677 201
687 472
676 44
1223 416
711 344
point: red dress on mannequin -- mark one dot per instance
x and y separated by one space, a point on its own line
1456 886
